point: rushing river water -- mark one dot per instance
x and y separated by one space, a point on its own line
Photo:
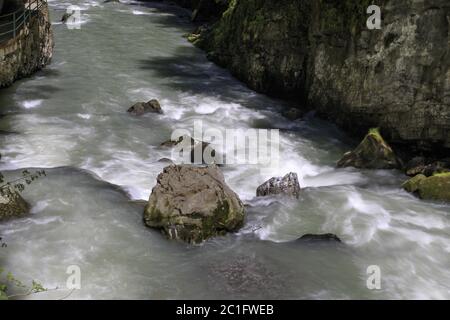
71 119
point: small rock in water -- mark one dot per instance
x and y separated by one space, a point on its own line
372 153
165 160
142 108
288 185
194 147
12 205
320 237
193 204
66 17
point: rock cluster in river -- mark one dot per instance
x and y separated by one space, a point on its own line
287 185
372 153
193 204
141 108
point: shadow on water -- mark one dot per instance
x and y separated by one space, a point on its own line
190 72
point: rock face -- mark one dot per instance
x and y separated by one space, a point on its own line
372 153
288 185
436 187
30 51
142 108
193 204
204 10
322 54
320 238
12 206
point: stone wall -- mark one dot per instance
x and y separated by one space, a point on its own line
29 51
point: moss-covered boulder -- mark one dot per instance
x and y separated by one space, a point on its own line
12 205
193 204
436 187
372 153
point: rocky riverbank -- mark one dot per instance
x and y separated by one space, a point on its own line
322 55
29 51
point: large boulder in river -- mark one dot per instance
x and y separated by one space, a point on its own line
142 108
12 205
193 204
372 153
436 187
287 185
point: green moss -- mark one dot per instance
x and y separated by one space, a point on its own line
436 187
412 185
442 175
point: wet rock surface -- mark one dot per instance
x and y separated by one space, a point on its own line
12 205
142 108
287 185
372 153
193 204
436 187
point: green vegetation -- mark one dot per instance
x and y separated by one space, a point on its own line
10 281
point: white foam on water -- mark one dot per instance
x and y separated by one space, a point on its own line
30 104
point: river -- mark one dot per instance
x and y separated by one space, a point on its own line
71 119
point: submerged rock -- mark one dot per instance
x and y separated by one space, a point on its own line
293 114
193 204
194 147
142 108
372 153
436 187
66 17
12 205
320 237
287 185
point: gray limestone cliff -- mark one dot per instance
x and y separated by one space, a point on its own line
321 54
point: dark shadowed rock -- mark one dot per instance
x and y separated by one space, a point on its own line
288 185
427 167
193 204
293 114
142 108
372 153
415 166
319 238
66 17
